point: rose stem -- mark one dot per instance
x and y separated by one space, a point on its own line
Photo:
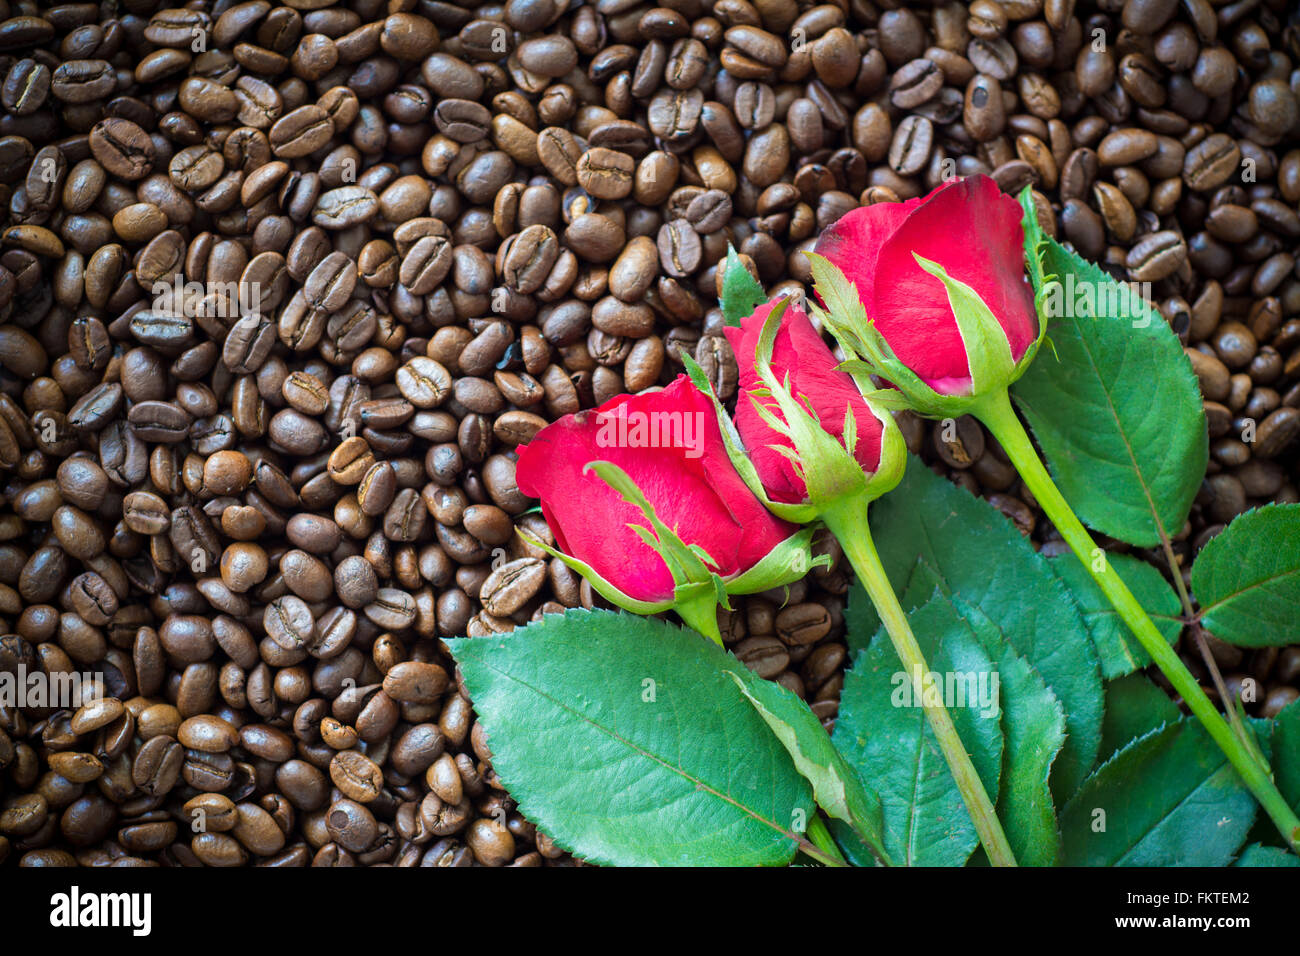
824 857
847 520
996 412
821 838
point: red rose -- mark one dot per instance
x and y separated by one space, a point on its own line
800 354
971 229
670 445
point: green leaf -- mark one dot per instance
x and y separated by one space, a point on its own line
985 562
1118 649
1259 855
1033 723
1168 799
836 785
889 741
1134 707
741 292
1247 578
1285 741
624 739
1119 415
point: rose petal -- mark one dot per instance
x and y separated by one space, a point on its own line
853 242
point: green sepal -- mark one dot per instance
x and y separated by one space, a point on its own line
988 350
1035 247
696 603
684 563
893 455
786 563
870 354
602 587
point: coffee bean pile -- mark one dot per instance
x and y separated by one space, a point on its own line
283 285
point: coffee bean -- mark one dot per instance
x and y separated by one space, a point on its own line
122 148
911 146
1210 162
765 656
512 585
288 622
391 609
915 83
531 256
1156 256
208 733
356 775
345 207
605 173
679 248
1277 432
424 383
415 682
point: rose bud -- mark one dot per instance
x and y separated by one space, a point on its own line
931 295
645 503
805 438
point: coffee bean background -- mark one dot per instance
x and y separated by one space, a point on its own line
416 231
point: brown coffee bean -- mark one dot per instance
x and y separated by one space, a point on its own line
1277 432
530 257
1156 256
679 248
1210 162
911 146
208 733
356 775
512 585
605 173
122 148
765 656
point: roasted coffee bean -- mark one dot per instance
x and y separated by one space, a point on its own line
911 146
1156 256
605 173
288 622
512 585
122 148
356 775
679 248
530 257
301 132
